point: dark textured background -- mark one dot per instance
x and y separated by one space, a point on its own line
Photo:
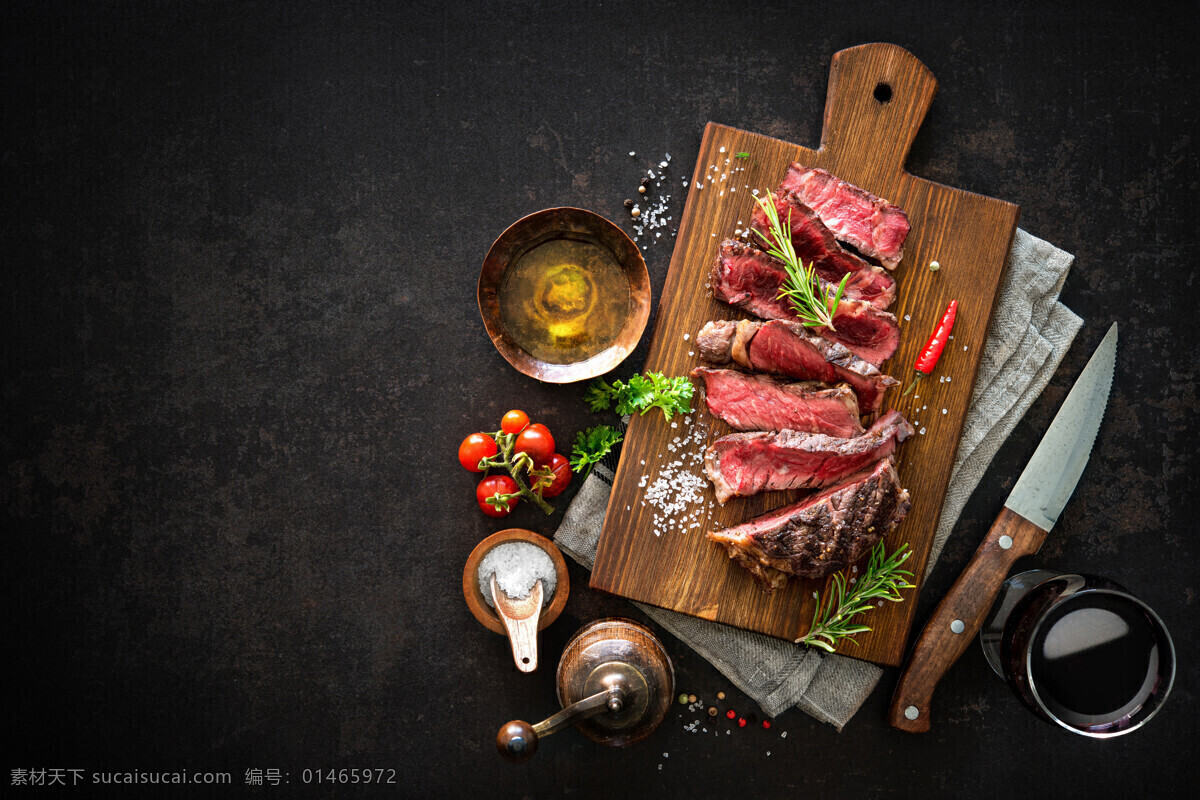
241 244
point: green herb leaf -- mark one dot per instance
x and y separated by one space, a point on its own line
882 580
742 155
633 396
592 445
810 299
642 393
599 396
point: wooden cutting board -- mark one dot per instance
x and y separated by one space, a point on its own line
878 96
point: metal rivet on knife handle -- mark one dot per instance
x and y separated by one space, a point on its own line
1005 542
957 626
911 712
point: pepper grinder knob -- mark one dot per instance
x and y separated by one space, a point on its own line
517 741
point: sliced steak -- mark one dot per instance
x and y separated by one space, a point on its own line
874 227
822 533
743 464
787 348
751 402
814 243
749 279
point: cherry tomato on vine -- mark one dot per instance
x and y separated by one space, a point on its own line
491 486
537 442
514 421
475 448
562 475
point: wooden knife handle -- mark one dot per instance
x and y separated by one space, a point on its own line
959 616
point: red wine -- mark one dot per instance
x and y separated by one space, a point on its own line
1095 660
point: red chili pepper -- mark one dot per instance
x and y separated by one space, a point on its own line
934 347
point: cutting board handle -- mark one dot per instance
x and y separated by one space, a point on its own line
878 96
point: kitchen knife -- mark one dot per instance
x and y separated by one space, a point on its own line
1028 515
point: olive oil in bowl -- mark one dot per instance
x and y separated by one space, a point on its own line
565 300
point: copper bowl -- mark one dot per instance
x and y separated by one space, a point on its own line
485 613
563 223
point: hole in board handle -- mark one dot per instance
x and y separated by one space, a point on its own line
883 92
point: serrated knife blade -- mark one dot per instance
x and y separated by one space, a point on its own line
1049 479
1032 508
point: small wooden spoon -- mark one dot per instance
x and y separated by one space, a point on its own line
520 618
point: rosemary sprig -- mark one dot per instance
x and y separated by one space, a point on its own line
802 285
882 580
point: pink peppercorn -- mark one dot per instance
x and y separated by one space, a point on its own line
731 713
742 722
766 723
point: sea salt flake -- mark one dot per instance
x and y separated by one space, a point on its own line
722 148
907 317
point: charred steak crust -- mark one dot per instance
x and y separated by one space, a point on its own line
786 348
749 279
753 402
820 534
873 226
744 464
815 244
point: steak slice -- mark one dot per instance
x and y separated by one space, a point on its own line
751 402
788 349
743 464
749 279
874 227
820 534
814 243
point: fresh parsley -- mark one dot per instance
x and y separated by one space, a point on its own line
592 445
642 393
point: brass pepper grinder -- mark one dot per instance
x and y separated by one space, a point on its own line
615 683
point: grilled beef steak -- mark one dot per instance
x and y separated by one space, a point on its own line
749 279
788 349
816 245
752 402
820 534
743 464
874 227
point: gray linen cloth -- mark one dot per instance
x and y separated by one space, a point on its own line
1031 332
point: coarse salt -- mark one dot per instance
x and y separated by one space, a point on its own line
517 567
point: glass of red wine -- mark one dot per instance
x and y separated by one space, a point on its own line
1080 651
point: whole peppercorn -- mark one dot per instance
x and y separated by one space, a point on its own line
741 722
766 723
712 711
628 203
683 699
641 190
645 181
635 213
731 713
